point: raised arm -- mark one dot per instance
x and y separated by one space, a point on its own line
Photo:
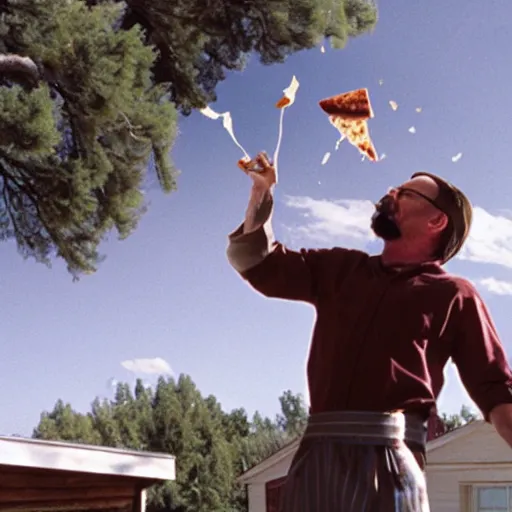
267 265
481 361
253 240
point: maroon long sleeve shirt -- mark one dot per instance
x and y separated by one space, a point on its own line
382 337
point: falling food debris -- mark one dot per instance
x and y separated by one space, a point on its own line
289 94
457 157
322 49
227 123
412 129
326 157
381 81
393 105
418 109
383 156
288 99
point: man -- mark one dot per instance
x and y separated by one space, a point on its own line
386 326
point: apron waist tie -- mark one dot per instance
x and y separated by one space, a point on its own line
364 427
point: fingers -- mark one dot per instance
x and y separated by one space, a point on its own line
263 161
258 164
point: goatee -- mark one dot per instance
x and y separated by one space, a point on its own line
385 227
383 223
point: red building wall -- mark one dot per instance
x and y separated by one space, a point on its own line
273 490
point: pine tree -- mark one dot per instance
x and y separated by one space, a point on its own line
65 424
454 421
90 93
143 411
198 41
103 417
293 417
75 145
212 447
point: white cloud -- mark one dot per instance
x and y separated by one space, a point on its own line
325 221
490 239
156 365
328 221
496 286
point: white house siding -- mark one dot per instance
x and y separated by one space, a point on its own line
257 498
450 489
443 492
473 455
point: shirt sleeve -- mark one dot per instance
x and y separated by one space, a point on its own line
479 355
278 272
246 250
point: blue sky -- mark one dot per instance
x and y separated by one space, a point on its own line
168 292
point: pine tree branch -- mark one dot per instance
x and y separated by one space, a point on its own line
131 128
7 204
25 188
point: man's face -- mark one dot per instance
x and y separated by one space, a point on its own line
405 211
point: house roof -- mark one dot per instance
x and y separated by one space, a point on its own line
453 435
52 455
291 448
272 460
44 475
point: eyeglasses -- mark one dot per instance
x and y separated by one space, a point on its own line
404 191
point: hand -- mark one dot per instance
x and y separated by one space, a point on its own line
261 171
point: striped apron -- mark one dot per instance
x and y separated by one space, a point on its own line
358 462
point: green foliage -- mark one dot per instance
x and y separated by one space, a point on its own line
454 421
294 414
211 447
75 142
74 150
198 41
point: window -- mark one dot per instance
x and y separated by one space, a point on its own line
496 498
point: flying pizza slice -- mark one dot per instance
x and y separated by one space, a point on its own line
349 113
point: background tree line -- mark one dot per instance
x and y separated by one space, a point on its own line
212 447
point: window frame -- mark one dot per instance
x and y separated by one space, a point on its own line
490 485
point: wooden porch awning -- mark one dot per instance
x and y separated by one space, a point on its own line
42 475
